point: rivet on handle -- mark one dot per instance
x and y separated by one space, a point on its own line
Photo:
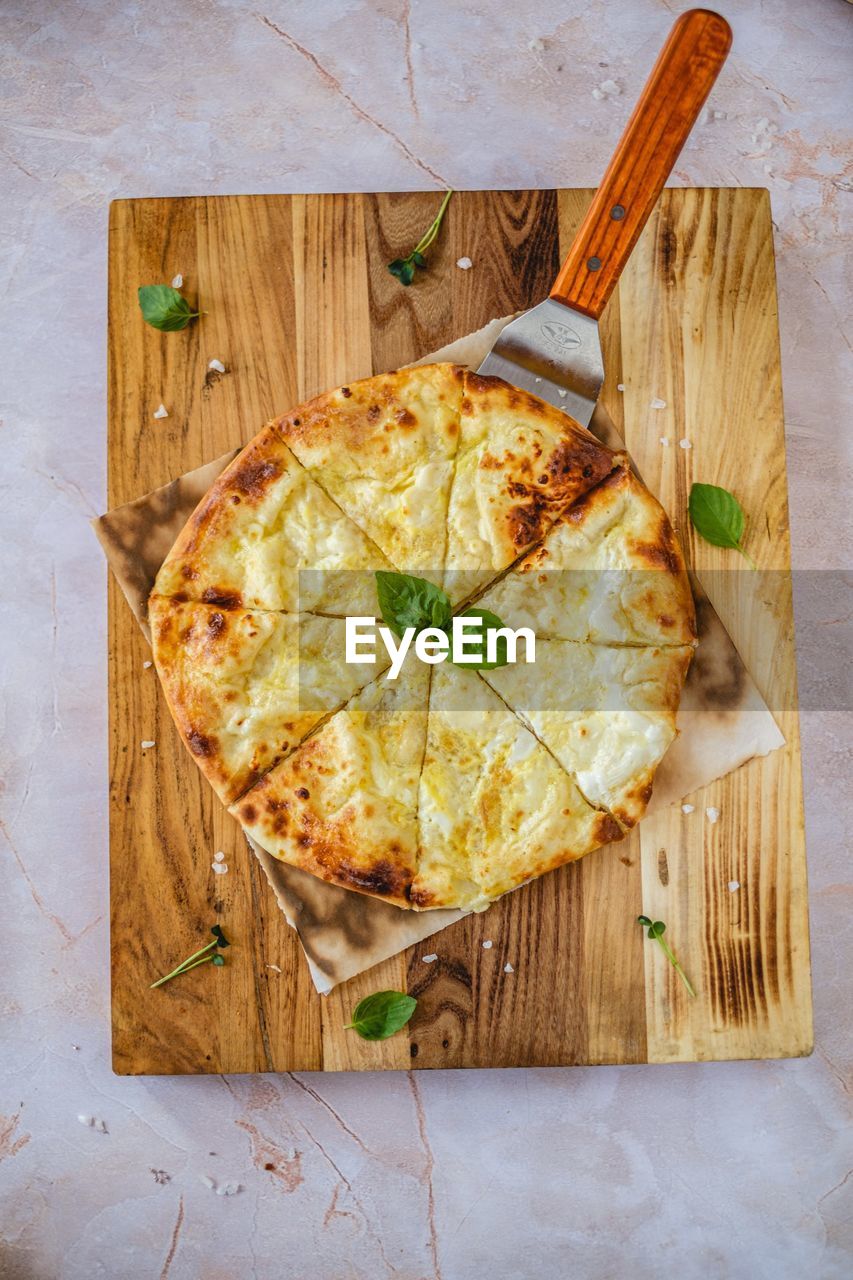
617 213
594 264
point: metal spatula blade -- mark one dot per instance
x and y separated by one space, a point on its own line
555 354
553 350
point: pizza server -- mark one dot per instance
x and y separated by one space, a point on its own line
553 350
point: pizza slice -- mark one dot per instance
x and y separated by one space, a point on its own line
495 808
520 463
606 713
383 448
244 688
344 806
266 536
609 571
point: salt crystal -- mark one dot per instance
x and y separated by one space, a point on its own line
657 403
687 808
148 742
665 441
207 1181
147 664
620 386
712 814
219 868
87 1120
162 412
734 885
610 88
685 444
487 946
219 856
228 1189
275 968
536 45
100 1125
430 958
217 365
562 394
178 281
465 264
508 968
598 95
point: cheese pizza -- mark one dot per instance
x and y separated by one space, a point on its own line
445 786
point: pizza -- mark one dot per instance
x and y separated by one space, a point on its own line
448 785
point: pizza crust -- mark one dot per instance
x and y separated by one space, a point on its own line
266 536
607 714
344 807
443 788
609 571
244 688
520 463
383 448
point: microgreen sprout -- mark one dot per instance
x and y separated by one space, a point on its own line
656 930
404 268
204 955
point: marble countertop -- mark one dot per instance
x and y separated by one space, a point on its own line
717 1170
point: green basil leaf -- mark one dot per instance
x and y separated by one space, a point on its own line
396 267
407 601
418 259
716 515
378 1016
643 920
164 308
491 622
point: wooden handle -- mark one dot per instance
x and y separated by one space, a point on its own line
666 112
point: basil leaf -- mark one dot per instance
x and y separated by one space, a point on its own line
717 516
164 308
378 1016
491 621
407 601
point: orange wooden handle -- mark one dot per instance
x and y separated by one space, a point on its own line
666 112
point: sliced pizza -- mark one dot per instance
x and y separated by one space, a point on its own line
610 570
344 805
383 448
520 463
266 536
606 713
495 808
244 688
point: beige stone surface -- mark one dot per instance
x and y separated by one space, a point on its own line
718 1170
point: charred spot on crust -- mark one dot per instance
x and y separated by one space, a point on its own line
525 523
373 413
187 572
419 897
405 418
249 812
180 597
380 878
254 477
346 393
303 793
222 599
216 624
200 744
661 555
607 829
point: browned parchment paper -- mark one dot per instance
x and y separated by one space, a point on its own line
344 933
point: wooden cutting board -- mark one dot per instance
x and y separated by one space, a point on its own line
297 300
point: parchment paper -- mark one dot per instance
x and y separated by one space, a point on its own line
722 721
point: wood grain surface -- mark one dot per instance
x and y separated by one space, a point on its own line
297 299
